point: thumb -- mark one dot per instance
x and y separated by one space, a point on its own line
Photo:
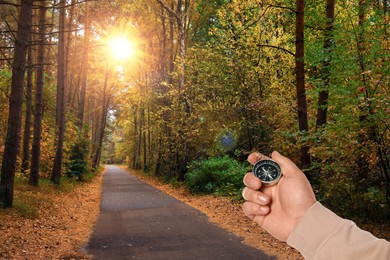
289 168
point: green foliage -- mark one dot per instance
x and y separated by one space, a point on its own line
90 175
365 205
350 185
78 159
216 175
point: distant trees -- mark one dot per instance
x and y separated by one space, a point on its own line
181 16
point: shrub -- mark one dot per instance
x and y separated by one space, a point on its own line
339 193
218 175
78 159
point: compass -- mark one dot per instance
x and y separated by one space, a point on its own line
267 171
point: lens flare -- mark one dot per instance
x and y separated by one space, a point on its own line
226 140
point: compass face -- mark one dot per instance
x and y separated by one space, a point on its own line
267 171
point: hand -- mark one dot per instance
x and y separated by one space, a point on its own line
278 208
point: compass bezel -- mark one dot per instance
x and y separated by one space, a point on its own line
270 163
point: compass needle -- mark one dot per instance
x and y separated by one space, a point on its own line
267 171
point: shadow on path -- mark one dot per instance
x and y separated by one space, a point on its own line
137 221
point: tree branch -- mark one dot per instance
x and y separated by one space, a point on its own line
168 9
283 7
8 3
277 47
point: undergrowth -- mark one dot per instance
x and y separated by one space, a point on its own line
217 175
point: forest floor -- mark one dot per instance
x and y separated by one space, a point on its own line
59 223
49 222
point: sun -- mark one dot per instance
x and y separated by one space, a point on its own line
121 48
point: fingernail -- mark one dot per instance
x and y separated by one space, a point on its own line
262 199
243 193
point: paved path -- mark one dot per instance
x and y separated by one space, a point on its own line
137 221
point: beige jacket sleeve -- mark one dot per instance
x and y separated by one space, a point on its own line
322 235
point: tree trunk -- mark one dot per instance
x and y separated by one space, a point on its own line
322 110
163 59
144 126
68 42
84 68
159 156
300 80
15 106
95 125
135 138
61 76
182 44
150 152
27 119
139 142
172 41
96 159
38 113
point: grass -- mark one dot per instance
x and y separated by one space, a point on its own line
26 210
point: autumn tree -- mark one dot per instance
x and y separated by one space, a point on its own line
300 79
29 111
84 66
38 108
15 105
323 96
60 101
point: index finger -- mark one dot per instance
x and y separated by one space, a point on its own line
289 168
253 158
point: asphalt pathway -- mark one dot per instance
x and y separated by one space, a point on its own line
137 221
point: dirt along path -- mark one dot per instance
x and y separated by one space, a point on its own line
138 221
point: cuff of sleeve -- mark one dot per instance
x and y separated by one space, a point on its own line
316 226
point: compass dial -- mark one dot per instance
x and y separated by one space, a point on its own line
267 171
